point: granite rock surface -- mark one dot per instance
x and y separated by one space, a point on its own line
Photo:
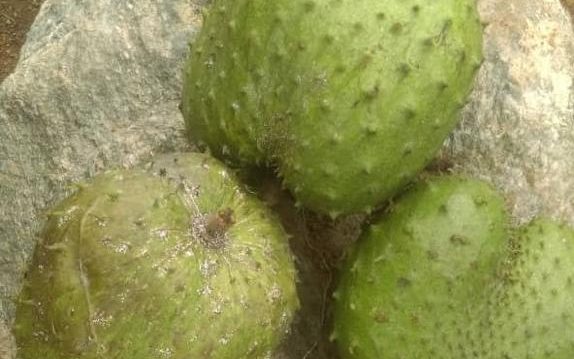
517 131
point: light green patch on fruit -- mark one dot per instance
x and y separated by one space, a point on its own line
171 262
442 277
348 99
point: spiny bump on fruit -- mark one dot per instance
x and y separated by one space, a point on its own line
310 5
396 28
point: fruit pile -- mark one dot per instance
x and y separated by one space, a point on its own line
347 101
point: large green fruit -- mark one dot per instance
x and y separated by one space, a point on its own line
348 98
177 264
441 277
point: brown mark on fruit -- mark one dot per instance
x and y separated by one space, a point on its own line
459 240
211 229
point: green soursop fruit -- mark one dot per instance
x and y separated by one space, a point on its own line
172 262
441 277
348 99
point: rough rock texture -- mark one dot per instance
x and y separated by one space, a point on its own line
518 129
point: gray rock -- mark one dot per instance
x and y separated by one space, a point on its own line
518 129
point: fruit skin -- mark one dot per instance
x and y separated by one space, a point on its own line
176 264
440 277
348 99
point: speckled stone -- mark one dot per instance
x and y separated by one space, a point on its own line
518 129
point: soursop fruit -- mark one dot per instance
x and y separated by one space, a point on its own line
348 99
442 276
173 261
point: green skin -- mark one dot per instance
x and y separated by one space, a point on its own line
120 273
348 99
438 277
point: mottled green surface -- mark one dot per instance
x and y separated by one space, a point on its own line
349 99
440 277
126 270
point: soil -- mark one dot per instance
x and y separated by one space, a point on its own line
16 16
